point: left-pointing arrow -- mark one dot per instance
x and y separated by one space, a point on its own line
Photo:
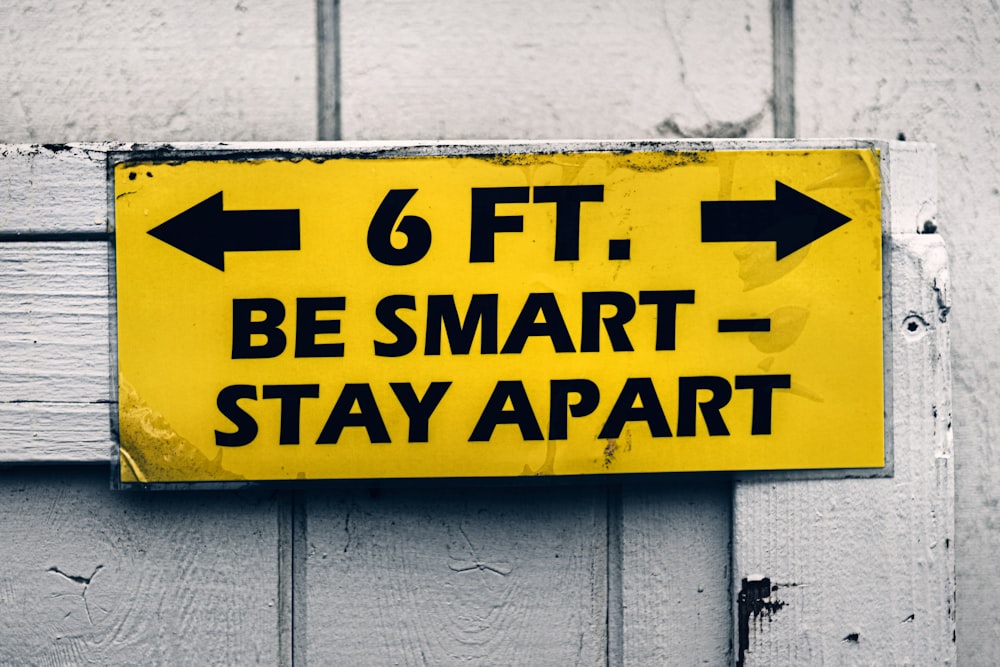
207 232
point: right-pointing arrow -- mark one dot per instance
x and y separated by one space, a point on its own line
792 220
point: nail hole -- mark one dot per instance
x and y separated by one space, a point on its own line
914 326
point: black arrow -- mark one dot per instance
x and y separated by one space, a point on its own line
792 220
207 232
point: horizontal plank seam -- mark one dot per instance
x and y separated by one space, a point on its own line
43 237
615 612
328 69
783 55
99 401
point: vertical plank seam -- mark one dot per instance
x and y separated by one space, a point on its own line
294 517
286 590
734 621
298 575
328 69
615 617
783 102
783 62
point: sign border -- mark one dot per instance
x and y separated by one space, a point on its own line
167 153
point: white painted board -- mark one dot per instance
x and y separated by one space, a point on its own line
862 571
523 69
503 575
675 596
92 577
187 70
928 71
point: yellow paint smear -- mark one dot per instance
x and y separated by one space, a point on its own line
151 450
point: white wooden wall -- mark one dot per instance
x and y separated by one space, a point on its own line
647 574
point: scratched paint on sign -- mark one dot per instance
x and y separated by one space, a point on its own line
466 316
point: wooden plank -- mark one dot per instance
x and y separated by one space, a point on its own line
556 69
54 322
55 384
46 432
499 575
183 70
928 70
53 189
862 571
117 579
675 574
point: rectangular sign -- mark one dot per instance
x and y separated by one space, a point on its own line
486 313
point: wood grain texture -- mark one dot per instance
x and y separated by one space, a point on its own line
173 71
55 392
492 576
51 432
931 71
92 577
561 69
862 571
54 322
675 574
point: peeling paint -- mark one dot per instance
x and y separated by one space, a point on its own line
85 582
755 599
669 127
943 303
471 562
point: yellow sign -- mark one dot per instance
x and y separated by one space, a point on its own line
397 316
